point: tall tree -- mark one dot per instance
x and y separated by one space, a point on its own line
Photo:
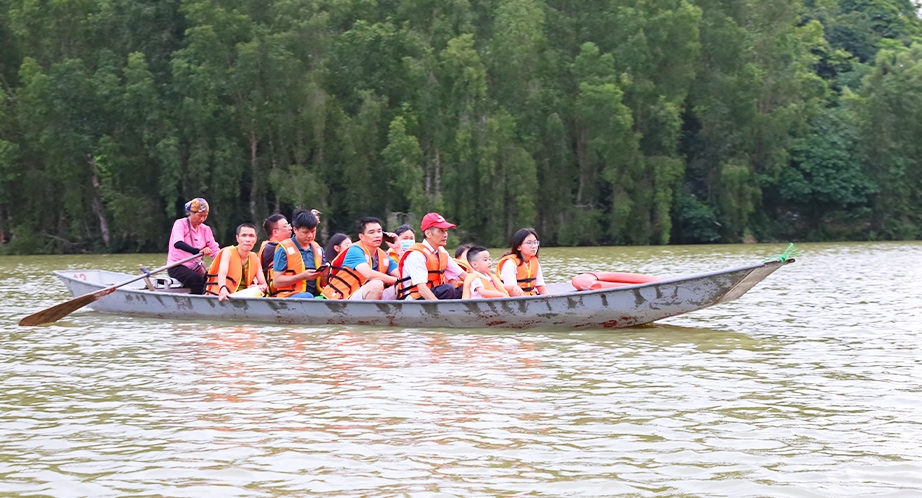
892 118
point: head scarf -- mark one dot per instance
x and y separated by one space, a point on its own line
197 205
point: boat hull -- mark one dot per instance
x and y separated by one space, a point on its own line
607 308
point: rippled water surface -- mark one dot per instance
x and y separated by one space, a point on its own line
809 385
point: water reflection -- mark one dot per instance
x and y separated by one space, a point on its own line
807 386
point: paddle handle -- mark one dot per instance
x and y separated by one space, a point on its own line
109 290
60 310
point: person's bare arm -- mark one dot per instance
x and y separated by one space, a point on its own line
367 272
282 280
490 293
260 278
426 293
514 290
223 290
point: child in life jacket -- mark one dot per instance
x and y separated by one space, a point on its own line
482 283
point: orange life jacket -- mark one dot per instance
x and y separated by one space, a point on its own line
267 265
344 282
295 266
525 273
436 263
234 271
262 247
464 264
492 283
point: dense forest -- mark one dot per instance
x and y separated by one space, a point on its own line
595 121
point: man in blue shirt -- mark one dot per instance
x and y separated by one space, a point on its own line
365 269
298 262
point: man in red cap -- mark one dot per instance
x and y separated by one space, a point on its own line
426 269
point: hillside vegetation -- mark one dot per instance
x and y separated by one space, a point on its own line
595 121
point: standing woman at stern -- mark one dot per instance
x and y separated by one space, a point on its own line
189 236
519 268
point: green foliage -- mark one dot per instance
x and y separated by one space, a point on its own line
696 222
892 120
826 177
403 157
595 121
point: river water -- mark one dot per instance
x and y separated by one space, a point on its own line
809 385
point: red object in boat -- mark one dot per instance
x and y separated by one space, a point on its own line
607 280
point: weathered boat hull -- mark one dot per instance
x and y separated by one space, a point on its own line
607 308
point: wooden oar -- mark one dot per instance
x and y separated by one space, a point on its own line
59 311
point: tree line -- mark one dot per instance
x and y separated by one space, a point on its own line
594 121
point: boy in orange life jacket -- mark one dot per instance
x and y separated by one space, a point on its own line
481 283
236 267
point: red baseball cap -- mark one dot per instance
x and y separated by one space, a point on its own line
434 220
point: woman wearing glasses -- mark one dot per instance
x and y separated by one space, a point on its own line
519 268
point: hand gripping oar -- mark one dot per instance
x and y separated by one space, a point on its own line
59 311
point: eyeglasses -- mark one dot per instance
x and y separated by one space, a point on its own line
532 243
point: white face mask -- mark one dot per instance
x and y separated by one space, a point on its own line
406 244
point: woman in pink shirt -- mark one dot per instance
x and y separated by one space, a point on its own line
189 236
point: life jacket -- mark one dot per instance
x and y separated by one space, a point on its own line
295 266
463 263
234 271
344 282
266 255
435 266
393 253
262 249
492 283
525 273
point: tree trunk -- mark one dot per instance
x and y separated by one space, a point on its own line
254 167
581 160
96 202
437 174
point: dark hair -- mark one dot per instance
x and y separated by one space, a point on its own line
463 247
272 223
474 251
519 238
364 222
330 253
245 225
303 218
403 228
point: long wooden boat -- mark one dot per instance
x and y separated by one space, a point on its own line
608 308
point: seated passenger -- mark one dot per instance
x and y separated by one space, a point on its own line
519 268
362 271
298 264
481 283
236 267
406 237
461 257
277 229
338 243
426 270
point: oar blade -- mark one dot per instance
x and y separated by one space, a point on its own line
59 311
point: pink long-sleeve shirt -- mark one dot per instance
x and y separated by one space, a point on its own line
200 238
